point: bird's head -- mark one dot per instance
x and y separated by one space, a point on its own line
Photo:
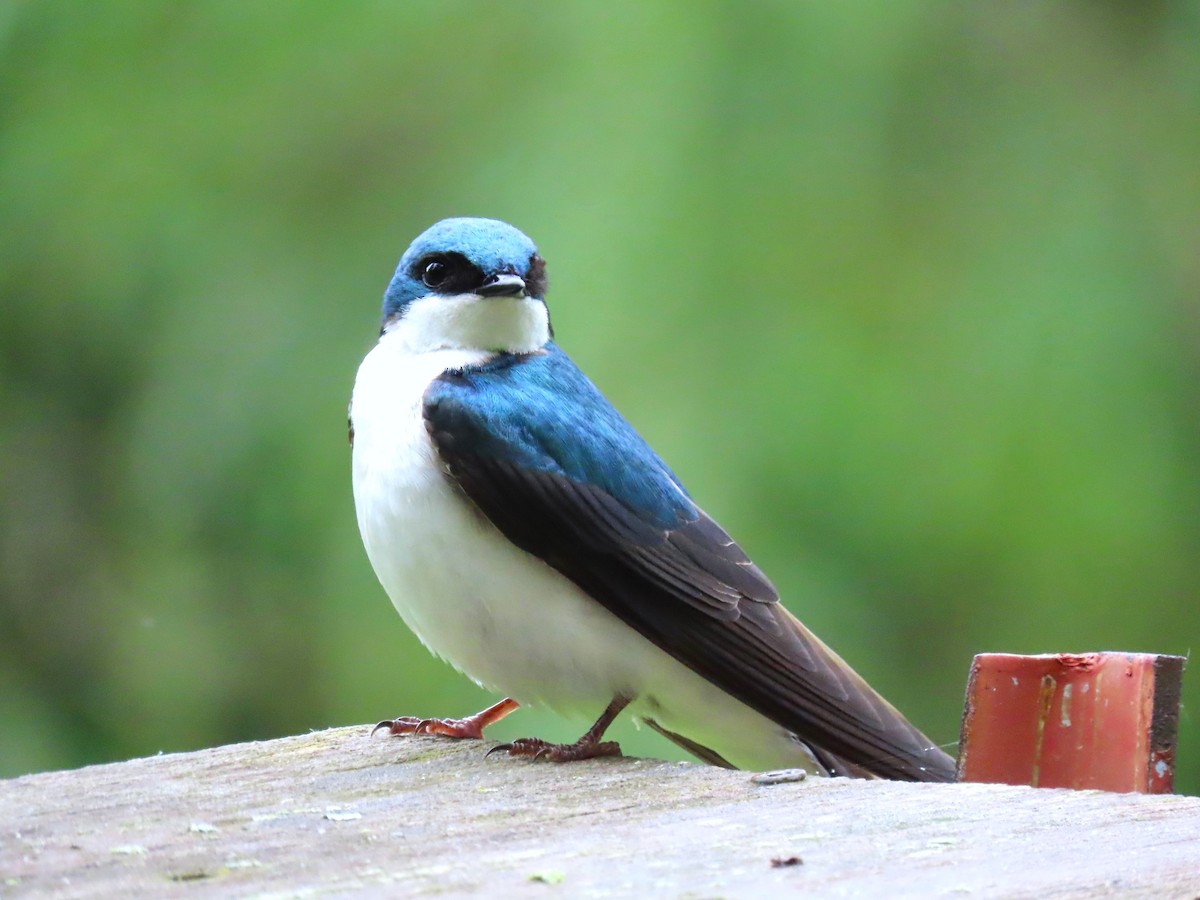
473 284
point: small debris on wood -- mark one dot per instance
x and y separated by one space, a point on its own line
198 875
780 776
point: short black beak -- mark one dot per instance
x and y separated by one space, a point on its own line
502 286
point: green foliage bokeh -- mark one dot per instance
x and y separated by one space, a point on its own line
907 293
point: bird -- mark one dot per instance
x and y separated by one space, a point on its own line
529 536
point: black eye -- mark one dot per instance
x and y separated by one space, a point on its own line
435 273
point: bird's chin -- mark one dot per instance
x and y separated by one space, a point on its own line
472 322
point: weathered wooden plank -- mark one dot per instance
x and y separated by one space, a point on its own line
338 812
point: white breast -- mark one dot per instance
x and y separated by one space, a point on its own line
496 613
471 596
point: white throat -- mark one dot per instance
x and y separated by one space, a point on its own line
472 322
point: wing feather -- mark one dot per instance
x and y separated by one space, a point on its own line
636 542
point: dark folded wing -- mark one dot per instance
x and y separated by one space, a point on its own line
631 537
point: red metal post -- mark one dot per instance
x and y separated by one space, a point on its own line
1105 721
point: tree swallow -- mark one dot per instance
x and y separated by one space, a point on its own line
529 536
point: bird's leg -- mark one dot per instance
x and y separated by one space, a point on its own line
586 747
470 727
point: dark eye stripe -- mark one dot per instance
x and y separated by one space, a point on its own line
447 273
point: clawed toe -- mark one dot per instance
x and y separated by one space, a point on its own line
587 747
471 727
402 725
536 749
451 728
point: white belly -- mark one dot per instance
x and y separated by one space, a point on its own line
498 614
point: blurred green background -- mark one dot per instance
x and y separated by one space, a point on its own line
908 293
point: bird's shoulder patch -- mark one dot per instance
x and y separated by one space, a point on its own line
538 412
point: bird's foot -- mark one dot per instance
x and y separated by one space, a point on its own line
470 727
587 747
536 748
